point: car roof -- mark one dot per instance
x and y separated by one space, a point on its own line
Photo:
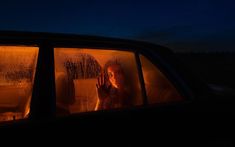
37 38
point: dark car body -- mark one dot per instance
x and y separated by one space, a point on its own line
204 116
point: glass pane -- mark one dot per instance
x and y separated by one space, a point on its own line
158 88
17 70
95 79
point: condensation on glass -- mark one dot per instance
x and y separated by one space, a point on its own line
17 70
76 77
158 88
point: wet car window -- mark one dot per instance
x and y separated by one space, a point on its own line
158 88
95 79
17 70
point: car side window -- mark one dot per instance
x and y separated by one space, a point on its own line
158 88
17 71
95 79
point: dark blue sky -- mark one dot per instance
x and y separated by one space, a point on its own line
184 25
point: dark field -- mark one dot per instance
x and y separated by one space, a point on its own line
214 68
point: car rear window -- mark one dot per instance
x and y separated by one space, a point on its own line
17 70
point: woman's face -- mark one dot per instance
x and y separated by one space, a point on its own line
116 76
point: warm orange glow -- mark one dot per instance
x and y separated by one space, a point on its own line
158 88
17 70
8 116
81 68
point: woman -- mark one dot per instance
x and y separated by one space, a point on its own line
111 87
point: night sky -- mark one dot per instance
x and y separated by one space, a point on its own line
183 25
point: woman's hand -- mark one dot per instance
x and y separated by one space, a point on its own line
101 87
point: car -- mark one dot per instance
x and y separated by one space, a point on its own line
49 81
